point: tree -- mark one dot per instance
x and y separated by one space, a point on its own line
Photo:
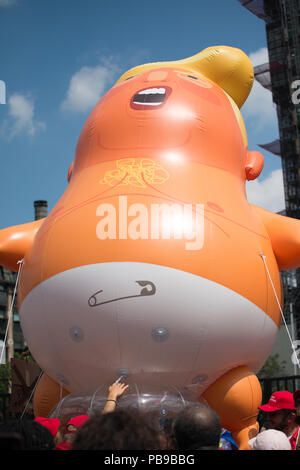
272 368
5 376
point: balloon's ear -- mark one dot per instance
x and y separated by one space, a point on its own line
70 171
254 165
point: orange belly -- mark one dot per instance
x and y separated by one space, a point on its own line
178 219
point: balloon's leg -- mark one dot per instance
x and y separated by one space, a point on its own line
46 396
236 397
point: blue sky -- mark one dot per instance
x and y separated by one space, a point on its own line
58 57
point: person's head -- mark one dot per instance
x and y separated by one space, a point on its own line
197 427
34 435
164 426
72 427
296 397
123 429
281 412
168 431
53 425
271 439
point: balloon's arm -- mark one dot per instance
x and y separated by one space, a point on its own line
284 233
15 242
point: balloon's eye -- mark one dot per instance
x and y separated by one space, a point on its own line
201 81
187 75
128 78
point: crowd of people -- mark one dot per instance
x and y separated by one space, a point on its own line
195 427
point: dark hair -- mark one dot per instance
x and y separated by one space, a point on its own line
297 401
123 429
197 427
33 436
164 427
286 411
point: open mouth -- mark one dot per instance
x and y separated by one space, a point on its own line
150 98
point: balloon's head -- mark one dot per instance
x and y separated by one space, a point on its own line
190 107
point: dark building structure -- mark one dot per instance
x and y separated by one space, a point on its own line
280 76
14 340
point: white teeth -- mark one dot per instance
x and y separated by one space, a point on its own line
147 104
149 91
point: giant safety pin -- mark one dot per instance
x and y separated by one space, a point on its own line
95 300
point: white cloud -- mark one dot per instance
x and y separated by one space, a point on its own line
87 86
259 107
267 193
21 117
7 3
259 57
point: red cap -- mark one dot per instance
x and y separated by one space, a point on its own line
78 421
279 401
64 446
50 423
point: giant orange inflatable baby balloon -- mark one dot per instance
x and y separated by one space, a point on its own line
153 262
